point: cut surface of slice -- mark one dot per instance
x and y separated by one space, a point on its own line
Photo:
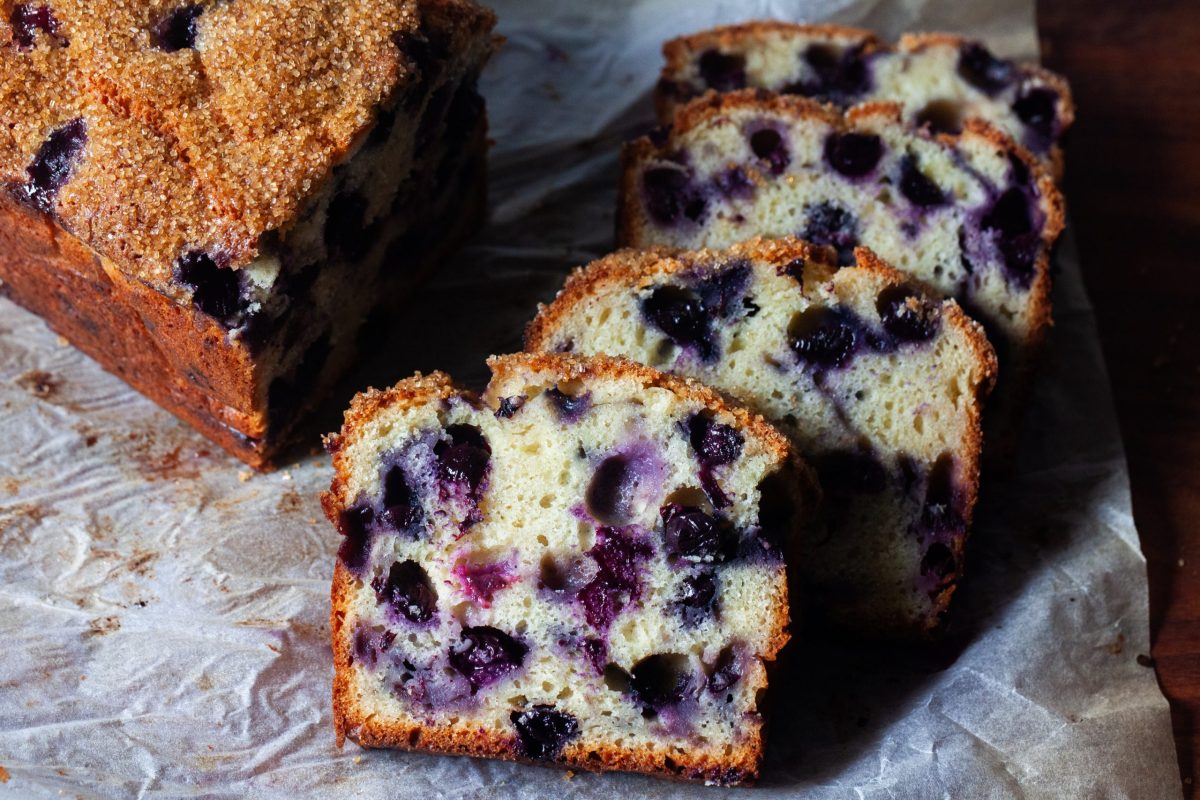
879 386
583 566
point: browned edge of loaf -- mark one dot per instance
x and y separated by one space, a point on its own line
350 720
711 106
740 36
633 268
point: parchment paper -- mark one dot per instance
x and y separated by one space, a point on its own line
163 613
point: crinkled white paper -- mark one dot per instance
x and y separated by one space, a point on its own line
163 613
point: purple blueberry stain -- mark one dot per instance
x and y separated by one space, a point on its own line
726 672
178 29
354 524
1009 223
734 184
543 731
567 407
984 71
908 315
484 655
369 645
401 506
853 155
824 337
28 19
54 162
625 484
462 464
483 581
918 188
671 196
619 560
722 71
407 592
834 226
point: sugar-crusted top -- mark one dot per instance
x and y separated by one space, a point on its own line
205 124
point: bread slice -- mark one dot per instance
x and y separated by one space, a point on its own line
939 79
879 386
973 217
584 566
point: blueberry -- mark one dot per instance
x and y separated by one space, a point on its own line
1037 108
596 654
670 195
1011 220
401 507
216 288
721 71
715 444
776 512
368 645
830 224
510 406
543 730
795 268
942 510
734 183
485 654
610 493
708 482
697 598
850 472
618 560
464 459
354 524
178 29
680 314
720 293
917 187
853 154
346 232
569 408
725 672
908 315
27 19
984 71
408 591
660 680
839 77
823 337
692 535
768 145
53 163
939 561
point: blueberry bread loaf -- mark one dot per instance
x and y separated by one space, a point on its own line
585 567
938 79
878 385
211 199
971 216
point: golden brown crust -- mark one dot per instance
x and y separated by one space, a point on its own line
740 765
638 268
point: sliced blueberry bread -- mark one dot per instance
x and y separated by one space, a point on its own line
584 566
971 216
879 386
939 79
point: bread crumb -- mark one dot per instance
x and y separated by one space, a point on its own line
1181 562
568 775
287 476
358 759
3 775
244 475
63 342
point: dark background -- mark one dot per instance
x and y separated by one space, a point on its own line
1133 187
